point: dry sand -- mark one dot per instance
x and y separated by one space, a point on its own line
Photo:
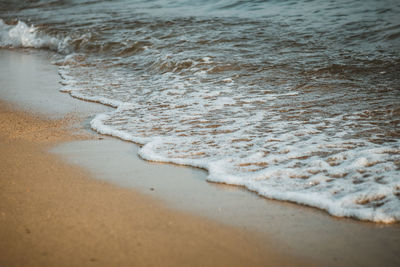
54 214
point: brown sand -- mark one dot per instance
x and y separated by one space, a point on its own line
54 214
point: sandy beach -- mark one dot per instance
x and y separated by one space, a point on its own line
55 214
63 203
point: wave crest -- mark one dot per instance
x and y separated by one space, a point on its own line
22 35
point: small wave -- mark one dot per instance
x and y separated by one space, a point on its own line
21 35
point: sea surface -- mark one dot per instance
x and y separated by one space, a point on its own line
295 100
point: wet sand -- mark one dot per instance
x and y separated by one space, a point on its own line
257 231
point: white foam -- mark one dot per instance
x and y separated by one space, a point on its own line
206 59
280 180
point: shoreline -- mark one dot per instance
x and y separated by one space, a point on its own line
55 214
294 231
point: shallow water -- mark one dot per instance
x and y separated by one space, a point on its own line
295 100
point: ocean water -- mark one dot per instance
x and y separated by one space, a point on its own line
295 100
